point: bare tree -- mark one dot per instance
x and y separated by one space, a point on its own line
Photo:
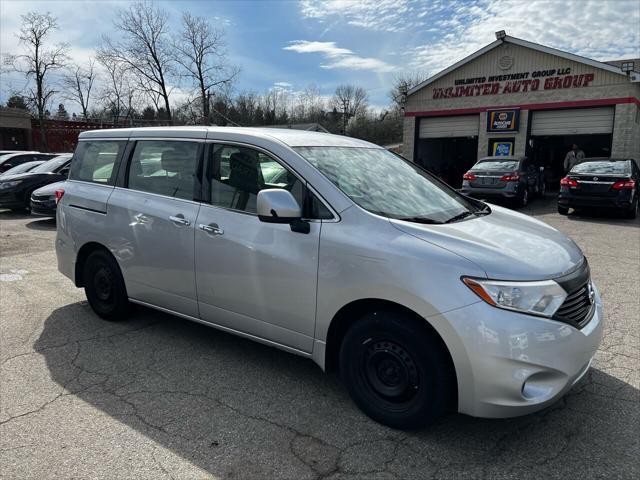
402 84
351 101
200 51
79 82
119 91
38 61
145 48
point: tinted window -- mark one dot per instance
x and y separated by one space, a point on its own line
25 167
239 173
602 168
164 167
496 165
94 161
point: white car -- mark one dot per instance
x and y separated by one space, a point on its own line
337 250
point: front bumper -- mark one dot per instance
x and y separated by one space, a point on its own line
510 364
11 199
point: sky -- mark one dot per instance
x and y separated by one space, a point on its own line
293 44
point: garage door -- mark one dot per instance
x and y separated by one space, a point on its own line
442 127
578 121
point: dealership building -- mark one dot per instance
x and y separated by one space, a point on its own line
515 97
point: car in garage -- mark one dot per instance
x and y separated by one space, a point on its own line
337 250
606 183
10 160
15 190
507 178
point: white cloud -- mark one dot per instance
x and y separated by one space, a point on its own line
381 15
339 58
598 29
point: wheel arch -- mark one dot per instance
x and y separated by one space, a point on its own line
84 252
351 312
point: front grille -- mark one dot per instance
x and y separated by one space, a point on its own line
577 308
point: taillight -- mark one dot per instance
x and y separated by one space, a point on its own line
469 176
59 194
624 185
510 177
568 182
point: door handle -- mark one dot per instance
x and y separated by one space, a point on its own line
179 220
212 229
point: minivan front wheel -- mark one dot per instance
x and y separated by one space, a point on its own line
395 370
104 286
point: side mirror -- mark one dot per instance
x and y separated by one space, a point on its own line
276 205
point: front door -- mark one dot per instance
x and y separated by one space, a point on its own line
153 219
254 277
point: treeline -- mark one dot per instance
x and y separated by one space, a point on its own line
151 75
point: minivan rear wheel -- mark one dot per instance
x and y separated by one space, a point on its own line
395 370
104 286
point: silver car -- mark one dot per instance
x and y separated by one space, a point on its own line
337 250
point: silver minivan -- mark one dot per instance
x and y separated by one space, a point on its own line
335 249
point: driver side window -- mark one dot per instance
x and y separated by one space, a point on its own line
237 174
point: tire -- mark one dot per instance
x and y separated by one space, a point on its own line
633 211
563 210
396 371
104 286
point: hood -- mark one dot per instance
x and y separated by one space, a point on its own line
49 189
507 245
17 176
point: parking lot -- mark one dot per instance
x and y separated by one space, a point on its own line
160 397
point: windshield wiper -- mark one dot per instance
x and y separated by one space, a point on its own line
427 220
461 216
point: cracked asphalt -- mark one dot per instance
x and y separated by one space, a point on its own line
159 397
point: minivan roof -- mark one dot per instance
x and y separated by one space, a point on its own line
290 137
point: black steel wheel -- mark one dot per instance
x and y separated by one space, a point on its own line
104 286
396 370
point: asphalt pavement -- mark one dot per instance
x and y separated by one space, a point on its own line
159 397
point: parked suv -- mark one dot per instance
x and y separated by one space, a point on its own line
338 250
514 179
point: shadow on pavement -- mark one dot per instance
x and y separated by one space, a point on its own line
237 408
42 223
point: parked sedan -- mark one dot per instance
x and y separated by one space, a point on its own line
15 190
10 160
43 200
22 168
605 183
510 178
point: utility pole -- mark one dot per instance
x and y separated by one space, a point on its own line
345 115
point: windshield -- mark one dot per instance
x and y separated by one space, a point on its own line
605 167
385 184
52 165
496 165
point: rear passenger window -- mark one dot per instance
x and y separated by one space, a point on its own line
164 167
95 161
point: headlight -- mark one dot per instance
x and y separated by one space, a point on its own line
10 184
537 298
